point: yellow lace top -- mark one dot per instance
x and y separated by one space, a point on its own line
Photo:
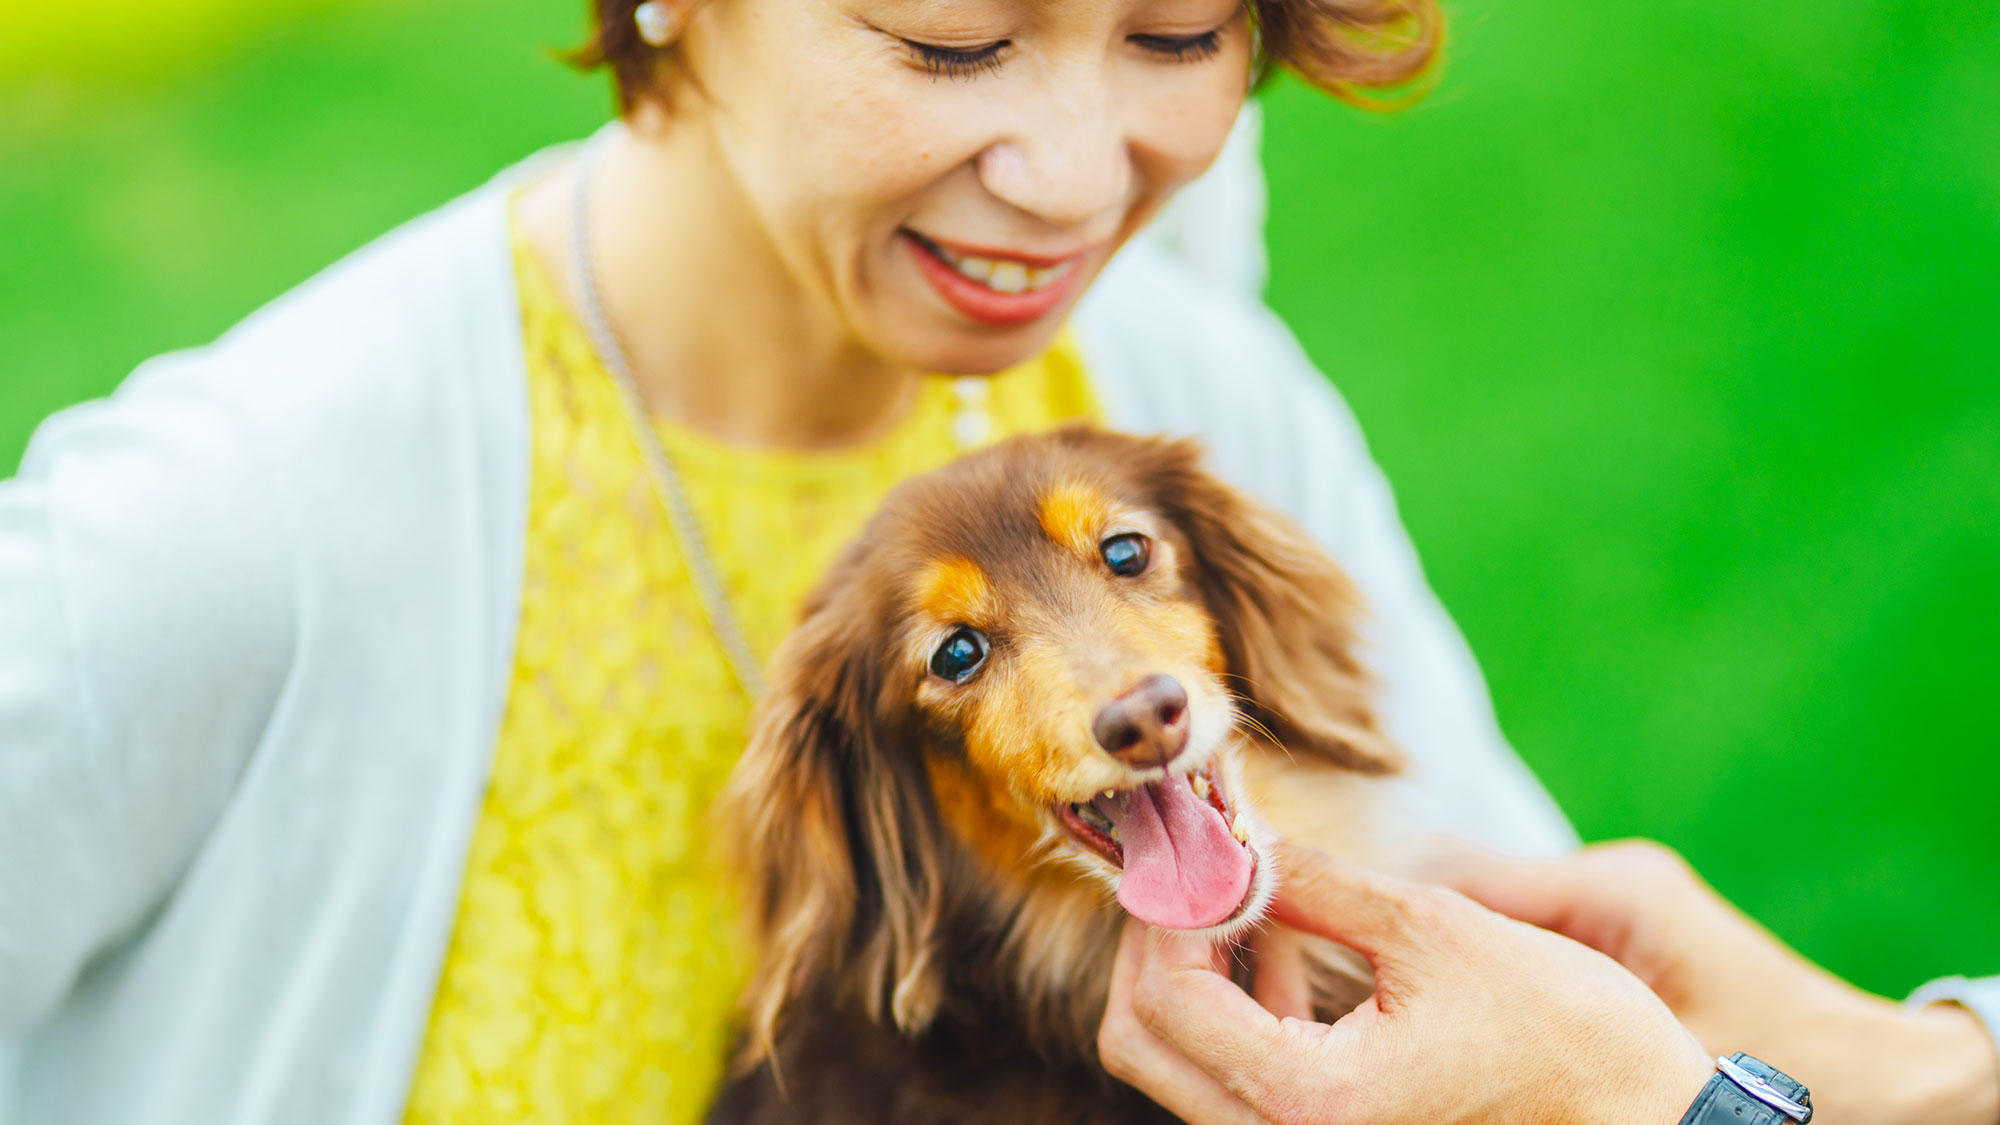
596 956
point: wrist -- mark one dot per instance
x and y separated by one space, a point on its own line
1656 1082
1680 1092
1671 1088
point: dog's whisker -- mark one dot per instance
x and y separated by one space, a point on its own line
1258 727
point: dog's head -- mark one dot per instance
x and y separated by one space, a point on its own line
1026 681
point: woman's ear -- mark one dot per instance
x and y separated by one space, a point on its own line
1284 614
834 833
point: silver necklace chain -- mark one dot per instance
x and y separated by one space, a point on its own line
668 485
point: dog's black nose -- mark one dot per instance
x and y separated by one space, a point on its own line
1146 726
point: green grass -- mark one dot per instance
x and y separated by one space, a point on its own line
1677 328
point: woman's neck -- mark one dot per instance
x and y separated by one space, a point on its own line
719 335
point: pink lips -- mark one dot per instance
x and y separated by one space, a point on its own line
983 303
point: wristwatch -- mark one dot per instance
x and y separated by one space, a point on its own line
1748 1091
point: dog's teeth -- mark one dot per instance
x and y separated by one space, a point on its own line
1095 818
1201 786
1110 793
1241 833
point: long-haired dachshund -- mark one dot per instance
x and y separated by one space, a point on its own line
1065 679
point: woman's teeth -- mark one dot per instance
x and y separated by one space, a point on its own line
1003 276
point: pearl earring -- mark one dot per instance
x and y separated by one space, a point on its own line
656 21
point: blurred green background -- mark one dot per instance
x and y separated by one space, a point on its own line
1677 327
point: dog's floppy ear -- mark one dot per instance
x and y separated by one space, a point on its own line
834 832
1285 614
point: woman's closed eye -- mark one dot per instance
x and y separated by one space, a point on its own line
966 62
958 62
1182 48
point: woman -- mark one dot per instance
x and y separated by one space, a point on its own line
363 676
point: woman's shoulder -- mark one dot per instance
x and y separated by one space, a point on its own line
400 364
349 424
301 538
429 304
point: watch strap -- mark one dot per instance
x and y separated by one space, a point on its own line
1784 1083
1725 1099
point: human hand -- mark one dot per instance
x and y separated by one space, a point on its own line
1475 1017
1737 988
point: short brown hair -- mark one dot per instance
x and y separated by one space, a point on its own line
1371 53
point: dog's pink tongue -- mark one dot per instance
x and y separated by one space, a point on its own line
1183 869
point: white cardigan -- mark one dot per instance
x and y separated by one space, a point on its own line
257 616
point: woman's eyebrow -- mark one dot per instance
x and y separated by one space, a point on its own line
943 10
974 15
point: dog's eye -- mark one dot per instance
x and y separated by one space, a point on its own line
1126 555
960 655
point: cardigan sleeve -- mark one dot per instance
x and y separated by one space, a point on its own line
1980 996
145 629
1171 353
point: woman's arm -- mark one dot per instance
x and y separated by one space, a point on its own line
146 627
1738 988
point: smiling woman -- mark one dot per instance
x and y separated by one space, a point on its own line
366 677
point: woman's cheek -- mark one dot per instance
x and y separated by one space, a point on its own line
890 144
1186 122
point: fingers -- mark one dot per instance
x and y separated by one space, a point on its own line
1543 892
1597 896
1365 912
1208 1020
1281 984
1134 1055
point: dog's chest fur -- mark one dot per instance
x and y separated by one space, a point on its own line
841 1069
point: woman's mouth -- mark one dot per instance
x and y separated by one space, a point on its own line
1003 291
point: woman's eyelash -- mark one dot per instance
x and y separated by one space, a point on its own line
959 62
951 62
1183 48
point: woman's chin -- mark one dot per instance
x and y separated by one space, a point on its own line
947 348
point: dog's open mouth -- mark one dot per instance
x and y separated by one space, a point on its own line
1185 864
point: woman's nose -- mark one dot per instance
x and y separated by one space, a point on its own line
1067 161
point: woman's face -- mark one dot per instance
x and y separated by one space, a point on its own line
947 176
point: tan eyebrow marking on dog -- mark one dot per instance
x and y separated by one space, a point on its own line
1071 514
956 590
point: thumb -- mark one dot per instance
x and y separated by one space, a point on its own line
1211 1023
1371 914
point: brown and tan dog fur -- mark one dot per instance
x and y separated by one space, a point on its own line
935 942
